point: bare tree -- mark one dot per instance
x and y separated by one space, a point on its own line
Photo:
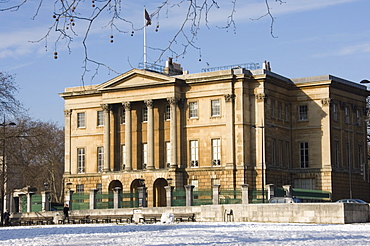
8 100
112 14
35 155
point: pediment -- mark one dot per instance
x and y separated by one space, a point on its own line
136 78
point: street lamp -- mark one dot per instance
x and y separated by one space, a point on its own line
46 186
4 125
262 158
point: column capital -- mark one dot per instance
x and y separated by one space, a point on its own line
106 107
229 97
67 112
172 100
261 97
126 105
326 101
149 103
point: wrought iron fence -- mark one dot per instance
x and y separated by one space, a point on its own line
256 196
202 197
230 196
80 201
178 197
129 200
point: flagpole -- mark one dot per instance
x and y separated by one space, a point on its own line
145 24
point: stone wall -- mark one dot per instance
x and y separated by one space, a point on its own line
321 213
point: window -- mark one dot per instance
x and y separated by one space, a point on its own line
123 157
273 152
302 112
272 108
307 184
287 154
360 157
123 116
100 159
99 187
100 121
80 188
335 112
145 155
168 154
336 154
81 160
280 154
193 110
144 114
80 120
194 153
303 151
348 155
195 183
280 108
216 152
346 114
358 117
215 108
287 112
167 114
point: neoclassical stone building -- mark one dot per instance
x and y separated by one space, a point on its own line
228 127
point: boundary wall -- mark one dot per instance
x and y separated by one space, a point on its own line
320 213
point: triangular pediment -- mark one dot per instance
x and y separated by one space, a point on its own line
136 78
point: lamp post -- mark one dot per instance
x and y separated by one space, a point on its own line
4 125
262 157
45 197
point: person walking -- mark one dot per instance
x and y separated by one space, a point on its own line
6 217
65 212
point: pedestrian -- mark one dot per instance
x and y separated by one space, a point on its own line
65 211
6 217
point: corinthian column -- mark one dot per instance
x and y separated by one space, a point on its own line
67 156
106 108
128 135
150 132
173 131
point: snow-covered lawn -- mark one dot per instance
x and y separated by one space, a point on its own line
188 234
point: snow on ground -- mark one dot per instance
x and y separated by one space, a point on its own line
187 233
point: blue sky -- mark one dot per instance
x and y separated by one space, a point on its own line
314 37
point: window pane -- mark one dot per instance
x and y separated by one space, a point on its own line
304 155
168 153
123 156
193 109
194 153
167 115
100 159
216 152
81 160
145 155
145 114
80 188
215 108
100 118
346 113
80 120
123 116
303 112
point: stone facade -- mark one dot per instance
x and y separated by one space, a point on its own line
226 128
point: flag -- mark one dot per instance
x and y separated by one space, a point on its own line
147 18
